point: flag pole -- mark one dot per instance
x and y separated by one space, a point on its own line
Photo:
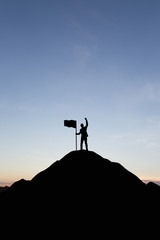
76 135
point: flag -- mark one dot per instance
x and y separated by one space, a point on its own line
70 123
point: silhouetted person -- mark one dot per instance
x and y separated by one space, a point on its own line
84 135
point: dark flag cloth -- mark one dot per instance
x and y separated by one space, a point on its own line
70 123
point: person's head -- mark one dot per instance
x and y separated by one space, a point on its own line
82 125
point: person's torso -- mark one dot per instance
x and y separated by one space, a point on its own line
83 131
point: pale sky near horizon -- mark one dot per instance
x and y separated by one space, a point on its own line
73 59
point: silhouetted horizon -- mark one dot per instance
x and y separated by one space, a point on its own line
9 184
78 153
82 187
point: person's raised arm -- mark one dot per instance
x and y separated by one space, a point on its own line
86 122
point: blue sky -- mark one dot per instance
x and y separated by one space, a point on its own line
74 59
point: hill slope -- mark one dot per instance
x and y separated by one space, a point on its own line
82 185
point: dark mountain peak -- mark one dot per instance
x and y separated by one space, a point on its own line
74 162
82 188
84 172
88 170
82 155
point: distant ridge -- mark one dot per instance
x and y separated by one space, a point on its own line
2 189
148 181
83 186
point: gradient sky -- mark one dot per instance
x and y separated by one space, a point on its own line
73 59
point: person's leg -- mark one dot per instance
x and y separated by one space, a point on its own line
81 144
86 144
